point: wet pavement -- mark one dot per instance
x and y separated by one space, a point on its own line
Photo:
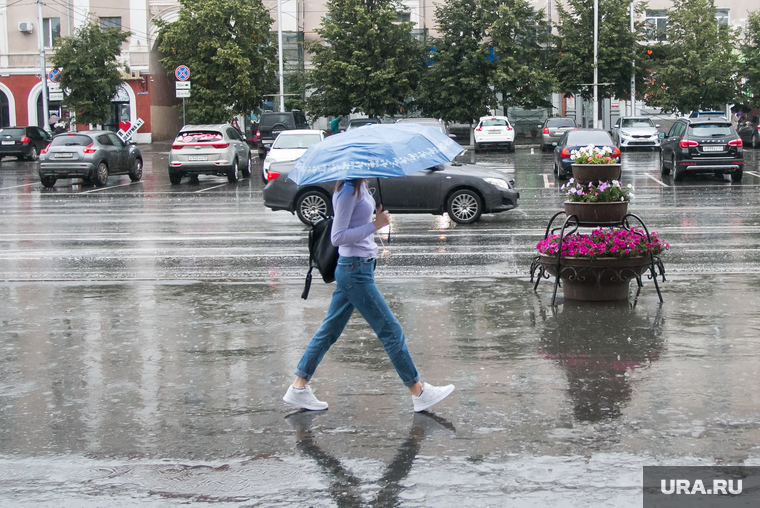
149 332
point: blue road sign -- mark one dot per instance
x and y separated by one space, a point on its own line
182 73
54 74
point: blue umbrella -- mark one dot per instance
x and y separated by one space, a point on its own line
374 151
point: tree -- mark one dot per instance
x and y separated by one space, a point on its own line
616 48
89 71
699 68
520 38
751 58
366 61
231 54
295 88
456 86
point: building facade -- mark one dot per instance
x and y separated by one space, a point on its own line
149 92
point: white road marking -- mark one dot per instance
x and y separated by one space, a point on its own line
547 183
17 186
209 188
658 181
752 173
110 187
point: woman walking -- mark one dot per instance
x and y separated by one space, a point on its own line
352 232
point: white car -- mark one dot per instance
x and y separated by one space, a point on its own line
494 132
289 146
634 132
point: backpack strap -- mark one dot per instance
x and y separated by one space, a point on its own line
307 283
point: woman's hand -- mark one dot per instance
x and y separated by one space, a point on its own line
382 218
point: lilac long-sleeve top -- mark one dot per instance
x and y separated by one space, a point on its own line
352 227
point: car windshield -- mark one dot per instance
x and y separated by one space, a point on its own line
709 130
199 137
436 125
12 132
560 122
71 140
583 138
494 122
637 122
296 141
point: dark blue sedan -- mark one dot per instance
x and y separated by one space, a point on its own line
575 139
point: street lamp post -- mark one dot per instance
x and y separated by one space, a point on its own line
596 67
279 53
633 71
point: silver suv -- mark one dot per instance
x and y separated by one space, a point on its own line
209 150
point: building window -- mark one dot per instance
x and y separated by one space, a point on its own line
722 16
655 25
403 17
51 30
112 22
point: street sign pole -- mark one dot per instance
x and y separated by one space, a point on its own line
183 112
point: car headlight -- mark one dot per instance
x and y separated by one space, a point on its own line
625 133
498 182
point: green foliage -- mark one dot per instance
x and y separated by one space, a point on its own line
698 66
616 47
751 57
295 83
89 71
486 47
520 38
456 86
231 54
365 61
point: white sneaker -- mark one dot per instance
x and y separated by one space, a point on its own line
430 396
304 398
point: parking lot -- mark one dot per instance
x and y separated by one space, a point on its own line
150 331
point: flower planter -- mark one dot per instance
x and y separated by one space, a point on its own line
585 173
597 213
598 279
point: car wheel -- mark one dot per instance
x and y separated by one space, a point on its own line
100 178
664 171
756 142
477 147
33 155
262 154
135 172
277 129
511 148
48 181
246 171
464 207
677 175
311 205
232 172
737 175
175 177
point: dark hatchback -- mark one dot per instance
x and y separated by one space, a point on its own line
575 139
749 131
23 142
91 156
464 191
698 145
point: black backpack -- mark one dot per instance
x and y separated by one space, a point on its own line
322 253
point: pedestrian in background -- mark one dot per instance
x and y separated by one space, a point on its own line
335 124
235 125
352 232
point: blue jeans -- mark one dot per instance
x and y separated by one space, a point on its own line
356 289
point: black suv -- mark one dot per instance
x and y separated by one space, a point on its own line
702 145
274 122
23 142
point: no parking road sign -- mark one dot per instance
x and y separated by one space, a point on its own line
182 73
